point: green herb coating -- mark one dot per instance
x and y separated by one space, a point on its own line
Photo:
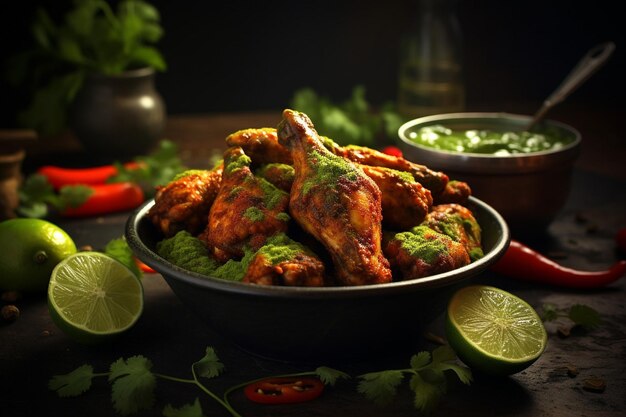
254 214
187 252
329 170
419 243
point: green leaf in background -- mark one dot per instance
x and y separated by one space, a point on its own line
351 122
91 37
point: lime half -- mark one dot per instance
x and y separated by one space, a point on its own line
93 297
494 331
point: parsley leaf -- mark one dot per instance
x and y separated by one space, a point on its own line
74 383
133 384
188 410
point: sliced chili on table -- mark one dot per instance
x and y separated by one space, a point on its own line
284 390
524 263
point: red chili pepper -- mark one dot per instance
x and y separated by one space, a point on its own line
108 198
522 262
393 151
620 239
145 268
59 176
284 390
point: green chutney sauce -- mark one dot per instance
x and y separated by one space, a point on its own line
487 141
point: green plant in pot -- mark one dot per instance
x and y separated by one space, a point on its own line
94 73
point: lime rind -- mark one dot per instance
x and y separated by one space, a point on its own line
94 297
493 330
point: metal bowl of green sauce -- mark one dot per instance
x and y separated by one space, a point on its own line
525 176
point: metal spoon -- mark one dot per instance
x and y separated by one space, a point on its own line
589 64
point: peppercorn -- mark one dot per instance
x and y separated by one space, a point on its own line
9 313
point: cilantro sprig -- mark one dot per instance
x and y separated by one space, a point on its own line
133 384
428 381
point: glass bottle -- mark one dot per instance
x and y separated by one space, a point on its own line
431 68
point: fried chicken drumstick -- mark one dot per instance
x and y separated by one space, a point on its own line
333 200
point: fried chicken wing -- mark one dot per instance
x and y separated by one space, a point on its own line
282 261
281 175
261 145
246 210
184 203
422 252
459 223
455 192
435 181
333 200
405 202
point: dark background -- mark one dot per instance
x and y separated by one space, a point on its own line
242 56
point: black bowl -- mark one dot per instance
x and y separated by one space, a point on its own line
307 324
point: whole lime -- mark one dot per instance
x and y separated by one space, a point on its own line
29 251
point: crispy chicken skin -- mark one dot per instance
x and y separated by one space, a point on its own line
285 262
184 203
261 145
433 180
455 192
422 251
459 223
333 200
246 210
281 175
405 202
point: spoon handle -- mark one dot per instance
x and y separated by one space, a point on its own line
590 63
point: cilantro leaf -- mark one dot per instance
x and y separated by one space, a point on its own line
382 386
73 196
74 383
444 359
427 394
579 314
550 312
133 384
420 360
584 316
209 366
329 375
155 169
119 250
187 410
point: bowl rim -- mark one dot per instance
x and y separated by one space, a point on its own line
169 270
487 115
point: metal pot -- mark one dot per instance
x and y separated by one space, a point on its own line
118 116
